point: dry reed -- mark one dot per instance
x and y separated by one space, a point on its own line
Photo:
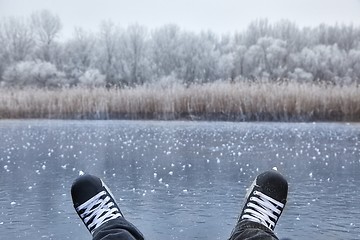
240 101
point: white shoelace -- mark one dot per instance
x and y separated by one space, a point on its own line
262 209
97 211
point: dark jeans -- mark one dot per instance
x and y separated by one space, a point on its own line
117 229
121 229
252 231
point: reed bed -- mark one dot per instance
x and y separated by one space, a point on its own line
239 101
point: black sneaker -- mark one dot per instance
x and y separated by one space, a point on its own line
93 202
265 199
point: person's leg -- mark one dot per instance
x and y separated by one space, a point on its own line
265 201
99 211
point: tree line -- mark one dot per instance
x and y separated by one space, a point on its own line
32 54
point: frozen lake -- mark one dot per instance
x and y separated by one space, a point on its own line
178 180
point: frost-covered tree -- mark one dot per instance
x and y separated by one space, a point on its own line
16 42
135 54
252 62
239 61
79 53
186 55
345 37
290 33
217 58
256 30
223 58
325 63
200 55
267 58
108 53
190 58
165 50
354 65
300 75
92 78
348 37
33 74
273 56
3 54
17 39
46 27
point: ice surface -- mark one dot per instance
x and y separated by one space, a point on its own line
184 176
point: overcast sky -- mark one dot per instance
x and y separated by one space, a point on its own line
220 16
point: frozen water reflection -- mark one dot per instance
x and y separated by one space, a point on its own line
178 180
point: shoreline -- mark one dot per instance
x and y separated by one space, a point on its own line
286 101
